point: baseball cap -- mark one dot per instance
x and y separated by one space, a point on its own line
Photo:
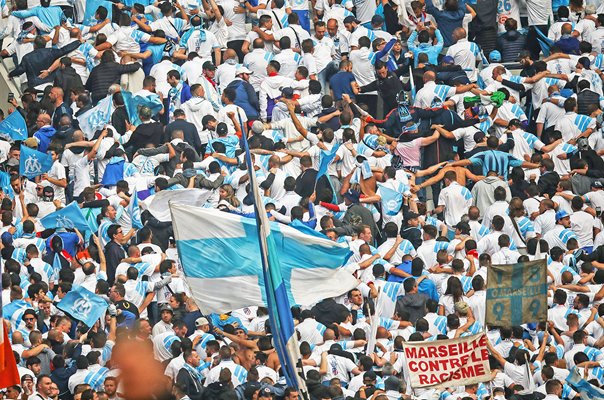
222 128
243 70
265 392
165 307
495 55
352 195
201 321
209 65
257 126
448 60
597 184
48 190
377 19
350 19
561 214
287 92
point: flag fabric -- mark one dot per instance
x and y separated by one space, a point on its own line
14 127
5 184
134 211
13 312
159 204
83 305
325 158
133 103
392 200
90 11
448 363
33 163
97 117
68 217
586 390
516 293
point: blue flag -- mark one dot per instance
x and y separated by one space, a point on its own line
83 305
392 200
13 312
134 211
133 103
325 158
585 389
14 127
97 117
67 217
5 184
92 6
33 163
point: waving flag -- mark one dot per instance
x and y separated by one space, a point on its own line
134 211
67 217
33 163
9 374
83 305
13 127
97 117
5 184
92 6
133 103
586 390
392 200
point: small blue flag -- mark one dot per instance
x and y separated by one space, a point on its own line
67 217
392 200
97 117
83 305
5 184
133 103
33 163
135 212
325 158
14 127
90 11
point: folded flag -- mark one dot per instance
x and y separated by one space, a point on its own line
13 127
33 163
219 251
68 218
134 211
83 305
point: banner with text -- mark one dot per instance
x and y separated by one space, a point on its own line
446 363
516 293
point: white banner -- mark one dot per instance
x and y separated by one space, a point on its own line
446 363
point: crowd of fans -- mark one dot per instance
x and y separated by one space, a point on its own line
434 138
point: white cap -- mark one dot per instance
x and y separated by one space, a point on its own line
242 70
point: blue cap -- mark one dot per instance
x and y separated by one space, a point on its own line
566 93
448 60
495 55
561 214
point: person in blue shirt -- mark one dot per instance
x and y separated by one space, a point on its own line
341 82
425 45
448 19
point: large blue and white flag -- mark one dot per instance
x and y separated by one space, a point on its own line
14 127
67 217
219 251
33 163
83 305
97 117
134 211
586 390
133 103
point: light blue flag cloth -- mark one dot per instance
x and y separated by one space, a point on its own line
92 6
14 127
585 389
13 312
133 103
83 305
50 16
67 217
33 163
392 200
134 211
325 158
97 117
5 184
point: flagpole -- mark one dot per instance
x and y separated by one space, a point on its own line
272 291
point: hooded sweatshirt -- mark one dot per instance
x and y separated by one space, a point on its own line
44 136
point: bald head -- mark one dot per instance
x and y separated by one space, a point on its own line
17 337
230 54
459 33
45 119
429 76
258 43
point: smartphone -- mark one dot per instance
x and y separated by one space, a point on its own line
11 96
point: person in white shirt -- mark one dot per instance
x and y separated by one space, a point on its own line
270 89
433 95
465 53
504 256
288 59
583 224
454 199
